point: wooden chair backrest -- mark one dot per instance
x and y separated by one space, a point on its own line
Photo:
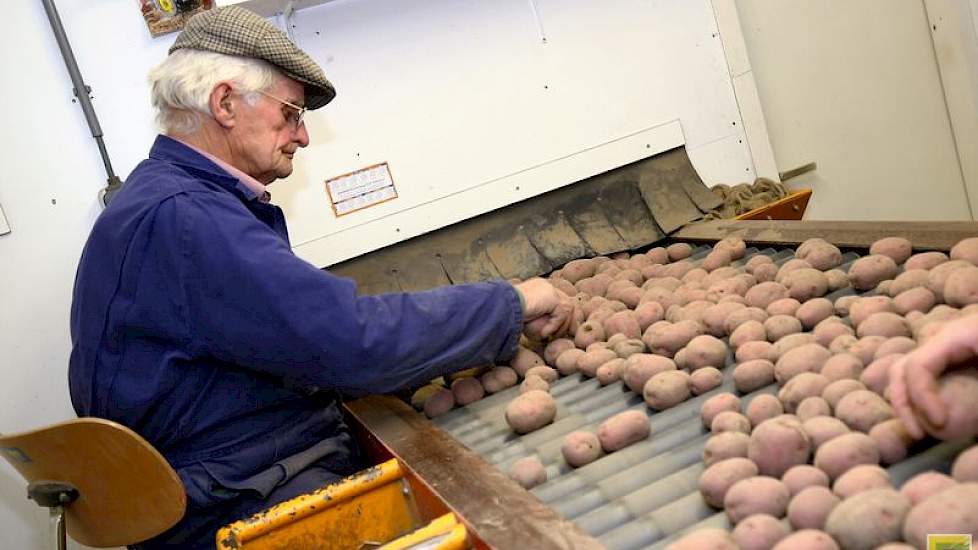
128 491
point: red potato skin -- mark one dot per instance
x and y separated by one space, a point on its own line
925 260
528 472
763 407
953 510
841 453
756 495
965 468
861 478
807 539
811 507
868 519
822 429
776 445
758 532
439 403
623 429
717 479
921 486
716 405
725 445
803 476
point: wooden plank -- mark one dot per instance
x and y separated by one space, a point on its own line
853 234
501 513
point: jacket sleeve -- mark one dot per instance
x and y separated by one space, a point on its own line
253 303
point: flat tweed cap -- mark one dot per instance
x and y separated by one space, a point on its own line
237 31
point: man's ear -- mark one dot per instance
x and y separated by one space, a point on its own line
223 105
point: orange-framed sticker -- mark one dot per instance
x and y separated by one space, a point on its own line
361 189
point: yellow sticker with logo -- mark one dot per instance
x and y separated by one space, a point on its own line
949 542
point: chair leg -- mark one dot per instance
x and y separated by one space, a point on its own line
57 527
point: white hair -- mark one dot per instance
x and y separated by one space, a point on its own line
181 86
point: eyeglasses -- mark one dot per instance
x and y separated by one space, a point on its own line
293 116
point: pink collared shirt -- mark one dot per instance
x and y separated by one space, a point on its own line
251 183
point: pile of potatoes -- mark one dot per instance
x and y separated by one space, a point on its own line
811 454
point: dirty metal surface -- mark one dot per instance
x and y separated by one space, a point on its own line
611 212
499 512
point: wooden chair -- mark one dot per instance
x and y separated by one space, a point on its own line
103 483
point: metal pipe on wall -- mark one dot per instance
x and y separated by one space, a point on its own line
81 92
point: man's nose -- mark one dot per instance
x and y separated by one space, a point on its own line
302 135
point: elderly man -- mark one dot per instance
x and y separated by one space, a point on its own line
194 324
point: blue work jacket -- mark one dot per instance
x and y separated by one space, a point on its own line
194 324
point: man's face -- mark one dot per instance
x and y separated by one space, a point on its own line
266 138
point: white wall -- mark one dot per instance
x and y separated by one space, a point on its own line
48 189
855 87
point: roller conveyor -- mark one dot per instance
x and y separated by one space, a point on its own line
646 495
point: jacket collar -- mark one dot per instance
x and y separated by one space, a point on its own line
169 150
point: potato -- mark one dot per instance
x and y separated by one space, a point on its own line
804 358
915 299
524 360
842 366
823 428
897 248
658 255
715 316
807 539
911 278
884 324
953 510
679 251
744 315
895 546
937 277
628 347
792 341
868 271
966 250
610 372
789 266
868 519
861 478
587 364
763 294
717 478
923 485
778 444
671 339
647 313
837 279
757 349
678 269
959 391
530 411
758 532
842 452
554 349
814 311
716 259
498 379
838 389
666 389
439 403
640 367
925 260
843 343
730 421
897 344
765 272
803 476
588 333
844 303
705 539
763 407
784 306
806 283
826 332
528 472
892 440
810 407
865 348
801 387
821 255
756 495
862 308
863 409
748 331
705 351
961 287
725 445
811 507
716 405
566 362
704 380
594 286
575 270
630 274
755 261
580 448
534 383
547 373
965 467
623 429
779 326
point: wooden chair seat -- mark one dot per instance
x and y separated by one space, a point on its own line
127 491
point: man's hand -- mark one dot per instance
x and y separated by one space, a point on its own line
913 379
546 311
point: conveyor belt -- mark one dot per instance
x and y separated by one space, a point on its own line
646 495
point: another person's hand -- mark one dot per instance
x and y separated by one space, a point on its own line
546 311
913 388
